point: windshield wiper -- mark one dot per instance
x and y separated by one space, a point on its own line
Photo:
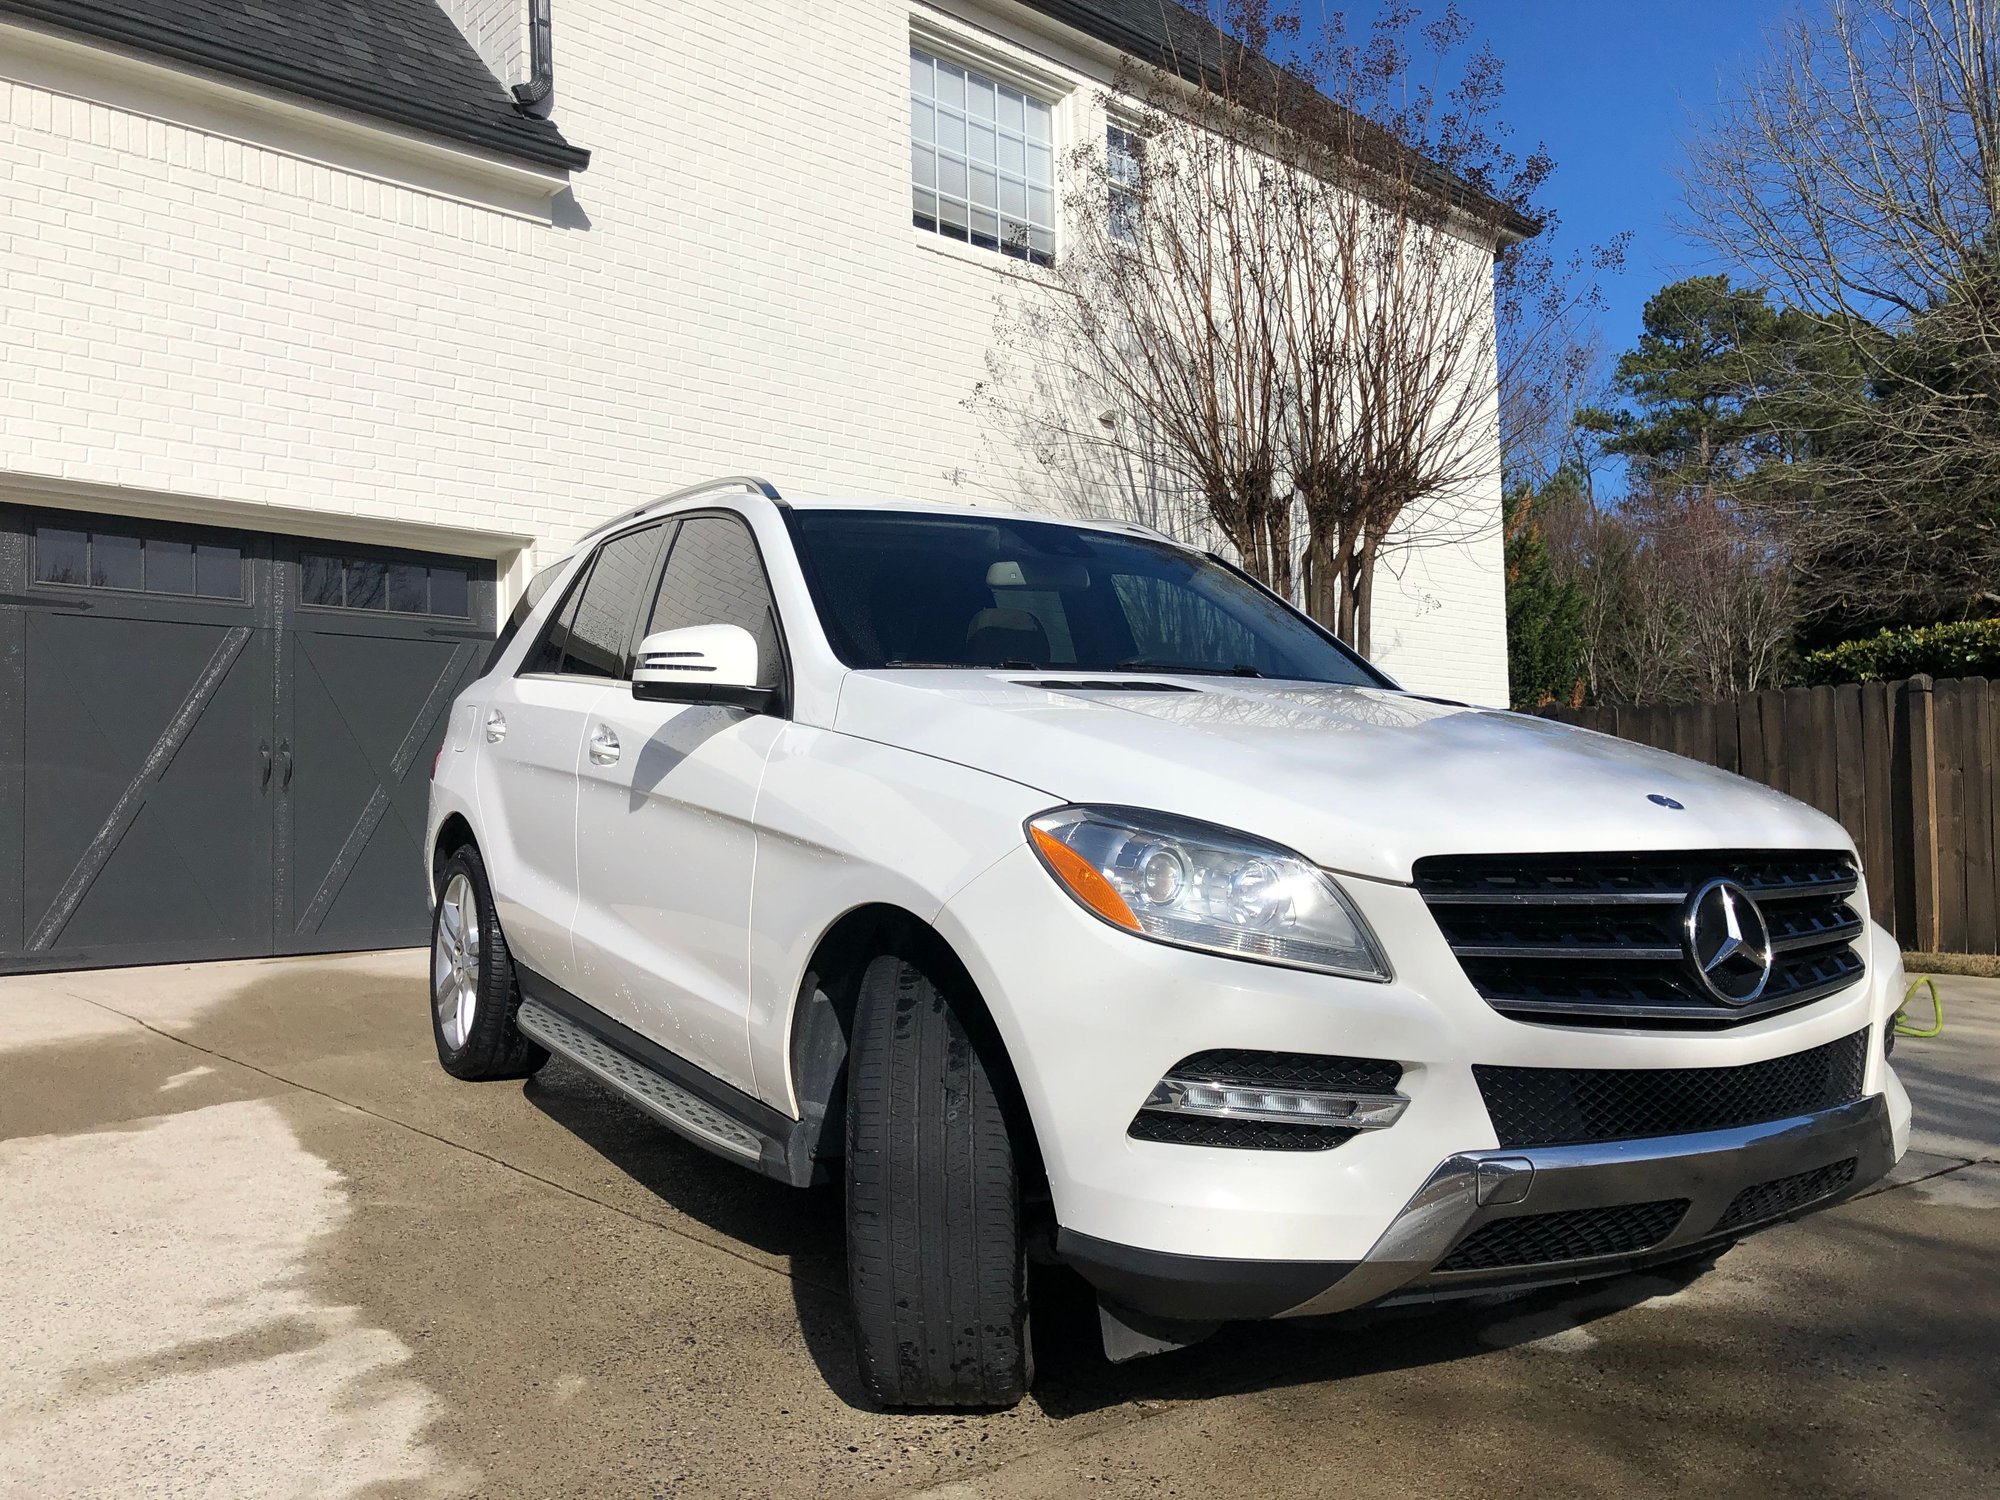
1142 665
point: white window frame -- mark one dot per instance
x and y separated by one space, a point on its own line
1044 89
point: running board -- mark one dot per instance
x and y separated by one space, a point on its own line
687 1099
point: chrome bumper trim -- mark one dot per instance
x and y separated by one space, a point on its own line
1709 1169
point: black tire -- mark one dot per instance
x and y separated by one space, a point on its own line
934 1264
486 1044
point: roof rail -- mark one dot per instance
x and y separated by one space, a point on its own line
750 482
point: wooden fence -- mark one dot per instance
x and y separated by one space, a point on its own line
1911 769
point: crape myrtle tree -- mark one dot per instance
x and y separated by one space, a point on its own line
1856 172
1272 322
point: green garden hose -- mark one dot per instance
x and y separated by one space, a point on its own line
1903 1026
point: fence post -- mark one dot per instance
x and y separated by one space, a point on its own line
1921 710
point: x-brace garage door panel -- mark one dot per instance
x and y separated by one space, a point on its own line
145 830
368 711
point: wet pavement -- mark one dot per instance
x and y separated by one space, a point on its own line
254 1243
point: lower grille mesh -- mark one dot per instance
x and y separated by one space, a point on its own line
1775 1199
1581 1106
1238 1135
1575 1234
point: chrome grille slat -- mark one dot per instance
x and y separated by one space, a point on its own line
1596 939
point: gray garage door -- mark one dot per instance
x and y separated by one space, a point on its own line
215 743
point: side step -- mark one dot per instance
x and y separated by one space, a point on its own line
655 1093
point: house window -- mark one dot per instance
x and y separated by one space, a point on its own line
982 161
409 588
1122 169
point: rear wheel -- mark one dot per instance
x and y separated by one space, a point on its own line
934 1262
473 994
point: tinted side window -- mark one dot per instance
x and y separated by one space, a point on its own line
588 636
715 577
537 590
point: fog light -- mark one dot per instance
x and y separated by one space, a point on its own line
1233 1101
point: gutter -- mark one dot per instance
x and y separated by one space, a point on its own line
541 83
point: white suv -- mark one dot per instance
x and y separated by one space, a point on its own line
1070 897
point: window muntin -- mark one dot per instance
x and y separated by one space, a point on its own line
715 577
982 160
338 581
137 563
1123 166
589 634
943 591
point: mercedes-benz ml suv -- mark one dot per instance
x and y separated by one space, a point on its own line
1064 894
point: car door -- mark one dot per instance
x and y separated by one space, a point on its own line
531 727
666 842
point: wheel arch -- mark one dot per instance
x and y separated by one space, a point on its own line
822 1022
453 834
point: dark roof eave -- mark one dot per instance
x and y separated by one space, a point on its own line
157 41
1093 21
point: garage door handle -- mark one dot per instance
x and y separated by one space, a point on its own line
264 754
603 746
285 776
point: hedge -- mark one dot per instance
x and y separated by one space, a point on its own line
1967 648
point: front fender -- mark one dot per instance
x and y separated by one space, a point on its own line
844 823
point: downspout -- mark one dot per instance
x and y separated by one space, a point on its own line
541 83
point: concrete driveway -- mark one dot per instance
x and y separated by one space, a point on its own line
254 1243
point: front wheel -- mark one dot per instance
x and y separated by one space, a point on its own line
473 994
934 1263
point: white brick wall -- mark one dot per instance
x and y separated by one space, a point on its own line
498 31
736 286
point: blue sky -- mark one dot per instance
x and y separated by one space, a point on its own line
1609 85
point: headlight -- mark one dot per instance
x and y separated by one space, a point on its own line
1197 886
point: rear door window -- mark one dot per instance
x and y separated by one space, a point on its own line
591 634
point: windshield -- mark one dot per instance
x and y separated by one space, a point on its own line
899 589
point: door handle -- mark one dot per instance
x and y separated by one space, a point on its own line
264 775
496 726
603 745
285 771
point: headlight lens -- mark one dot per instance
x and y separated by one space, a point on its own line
1198 886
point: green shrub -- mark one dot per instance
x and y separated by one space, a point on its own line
1967 648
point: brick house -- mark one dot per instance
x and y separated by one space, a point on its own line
323 323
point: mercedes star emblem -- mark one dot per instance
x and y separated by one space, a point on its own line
1727 942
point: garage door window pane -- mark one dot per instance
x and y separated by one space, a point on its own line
366 583
218 571
408 588
62 556
319 581
117 562
169 566
449 594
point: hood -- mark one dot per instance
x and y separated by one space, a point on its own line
1362 780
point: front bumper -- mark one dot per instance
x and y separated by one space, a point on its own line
1732 1183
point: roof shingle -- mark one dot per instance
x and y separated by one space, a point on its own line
397 60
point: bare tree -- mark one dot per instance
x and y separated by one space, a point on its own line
1858 170
1276 298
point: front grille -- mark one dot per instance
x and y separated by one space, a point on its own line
1773 1200
1273 1070
1574 1234
1579 1106
1596 939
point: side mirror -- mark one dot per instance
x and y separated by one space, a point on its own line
701 664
